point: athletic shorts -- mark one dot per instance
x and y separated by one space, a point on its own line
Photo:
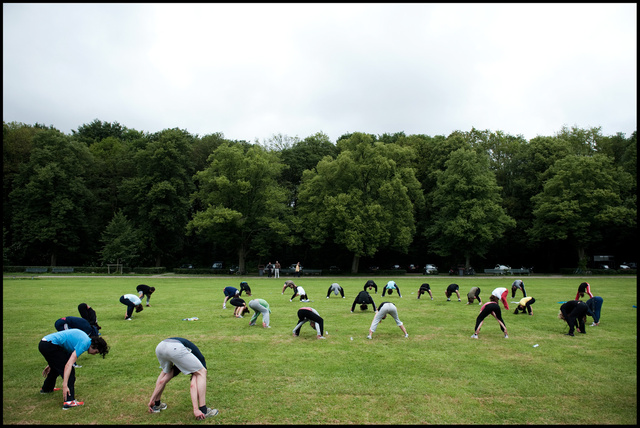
172 352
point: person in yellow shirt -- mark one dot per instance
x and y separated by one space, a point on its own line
525 304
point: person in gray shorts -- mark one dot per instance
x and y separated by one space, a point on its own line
385 309
176 355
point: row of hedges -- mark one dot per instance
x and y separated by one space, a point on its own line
572 271
90 269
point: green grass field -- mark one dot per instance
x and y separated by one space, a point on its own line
439 375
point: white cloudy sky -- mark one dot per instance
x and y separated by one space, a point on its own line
251 71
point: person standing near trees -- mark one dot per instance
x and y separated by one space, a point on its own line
277 269
269 269
145 290
298 269
176 355
490 308
315 320
386 308
131 301
61 350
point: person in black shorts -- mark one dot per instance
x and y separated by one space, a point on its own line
314 318
425 288
452 288
240 307
145 290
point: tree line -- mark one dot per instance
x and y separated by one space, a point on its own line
109 194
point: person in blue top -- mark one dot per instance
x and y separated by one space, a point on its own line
61 350
175 355
391 285
66 323
229 292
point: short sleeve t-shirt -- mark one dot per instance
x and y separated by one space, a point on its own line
71 340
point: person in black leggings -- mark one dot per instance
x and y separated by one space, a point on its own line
490 308
311 315
89 314
371 284
425 288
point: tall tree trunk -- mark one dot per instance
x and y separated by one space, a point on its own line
54 259
355 263
242 255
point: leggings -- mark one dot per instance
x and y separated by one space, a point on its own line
256 306
57 358
305 315
488 309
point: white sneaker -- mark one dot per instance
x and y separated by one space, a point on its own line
448 300
474 336
506 336
406 335
594 325
211 412
369 337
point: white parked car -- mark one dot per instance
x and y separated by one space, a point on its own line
503 267
430 269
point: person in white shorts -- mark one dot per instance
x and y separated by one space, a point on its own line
176 355
383 310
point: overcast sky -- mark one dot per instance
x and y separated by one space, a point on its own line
251 71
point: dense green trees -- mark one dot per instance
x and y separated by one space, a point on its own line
107 193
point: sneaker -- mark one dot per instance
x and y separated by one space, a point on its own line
448 300
252 324
77 366
432 298
239 316
406 335
148 305
72 403
459 300
321 337
474 336
569 334
506 336
369 337
49 392
224 306
594 325
128 319
161 406
211 412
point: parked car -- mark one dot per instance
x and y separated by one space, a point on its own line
430 269
217 265
413 268
186 266
234 269
630 265
395 267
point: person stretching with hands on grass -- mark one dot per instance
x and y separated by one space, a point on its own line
384 309
314 318
61 350
176 355
490 308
